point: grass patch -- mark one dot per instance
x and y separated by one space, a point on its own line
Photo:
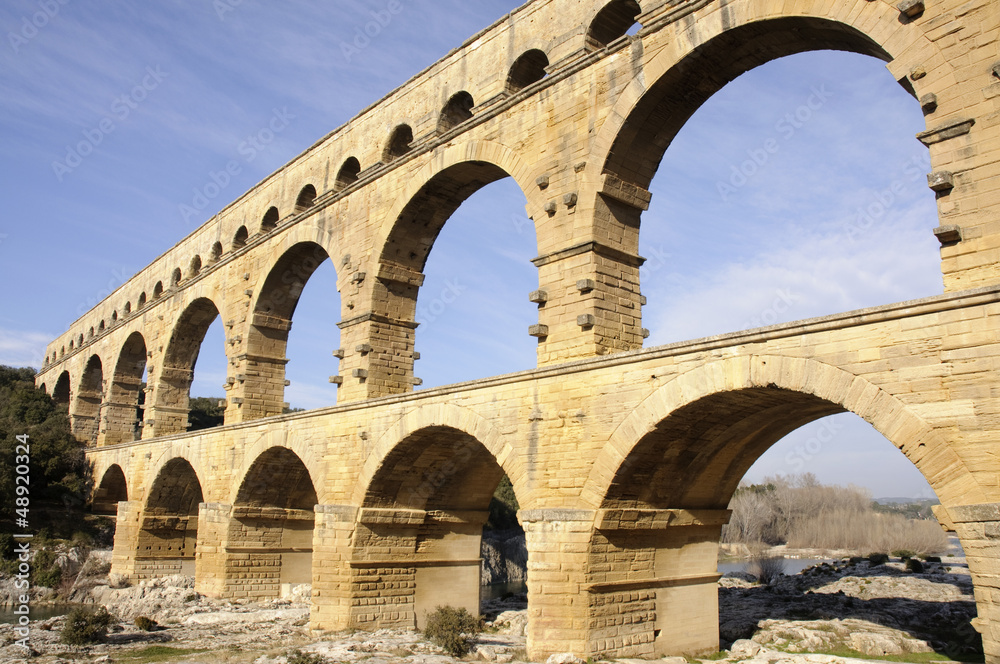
156 654
909 658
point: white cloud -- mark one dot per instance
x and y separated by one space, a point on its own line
22 348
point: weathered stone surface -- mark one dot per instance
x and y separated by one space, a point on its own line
579 117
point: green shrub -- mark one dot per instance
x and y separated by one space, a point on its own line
84 626
877 559
914 565
44 571
452 629
145 624
905 554
298 657
932 559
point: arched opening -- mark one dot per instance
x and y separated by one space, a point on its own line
128 308
62 352
766 237
472 304
100 326
112 490
527 69
456 111
114 316
309 363
195 266
71 344
398 143
125 407
273 522
169 529
348 174
612 22
270 220
86 413
430 498
662 514
141 302
175 278
216 253
157 290
60 392
306 198
173 392
240 238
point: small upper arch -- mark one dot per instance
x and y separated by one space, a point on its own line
399 143
216 252
195 267
527 69
348 174
612 22
270 220
306 198
456 111
240 238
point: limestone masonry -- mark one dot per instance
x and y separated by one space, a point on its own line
623 459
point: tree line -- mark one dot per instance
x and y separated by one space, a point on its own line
802 513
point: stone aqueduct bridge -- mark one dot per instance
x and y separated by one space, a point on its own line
623 459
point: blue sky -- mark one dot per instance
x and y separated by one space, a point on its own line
757 214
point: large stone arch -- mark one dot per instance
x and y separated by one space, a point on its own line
427 494
123 414
698 59
299 252
269 539
408 230
173 385
443 160
448 416
168 526
839 389
85 411
61 389
662 483
111 490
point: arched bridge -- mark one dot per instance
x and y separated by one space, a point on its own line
623 459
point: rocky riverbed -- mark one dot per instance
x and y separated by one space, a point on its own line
858 610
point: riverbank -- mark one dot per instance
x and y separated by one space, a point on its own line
856 610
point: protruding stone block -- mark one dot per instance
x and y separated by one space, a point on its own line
948 234
585 285
542 181
941 181
946 131
586 320
929 102
359 373
339 353
550 208
538 297
539 330
363 348
911 8
337 380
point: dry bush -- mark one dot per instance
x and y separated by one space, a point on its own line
803 513
867 531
